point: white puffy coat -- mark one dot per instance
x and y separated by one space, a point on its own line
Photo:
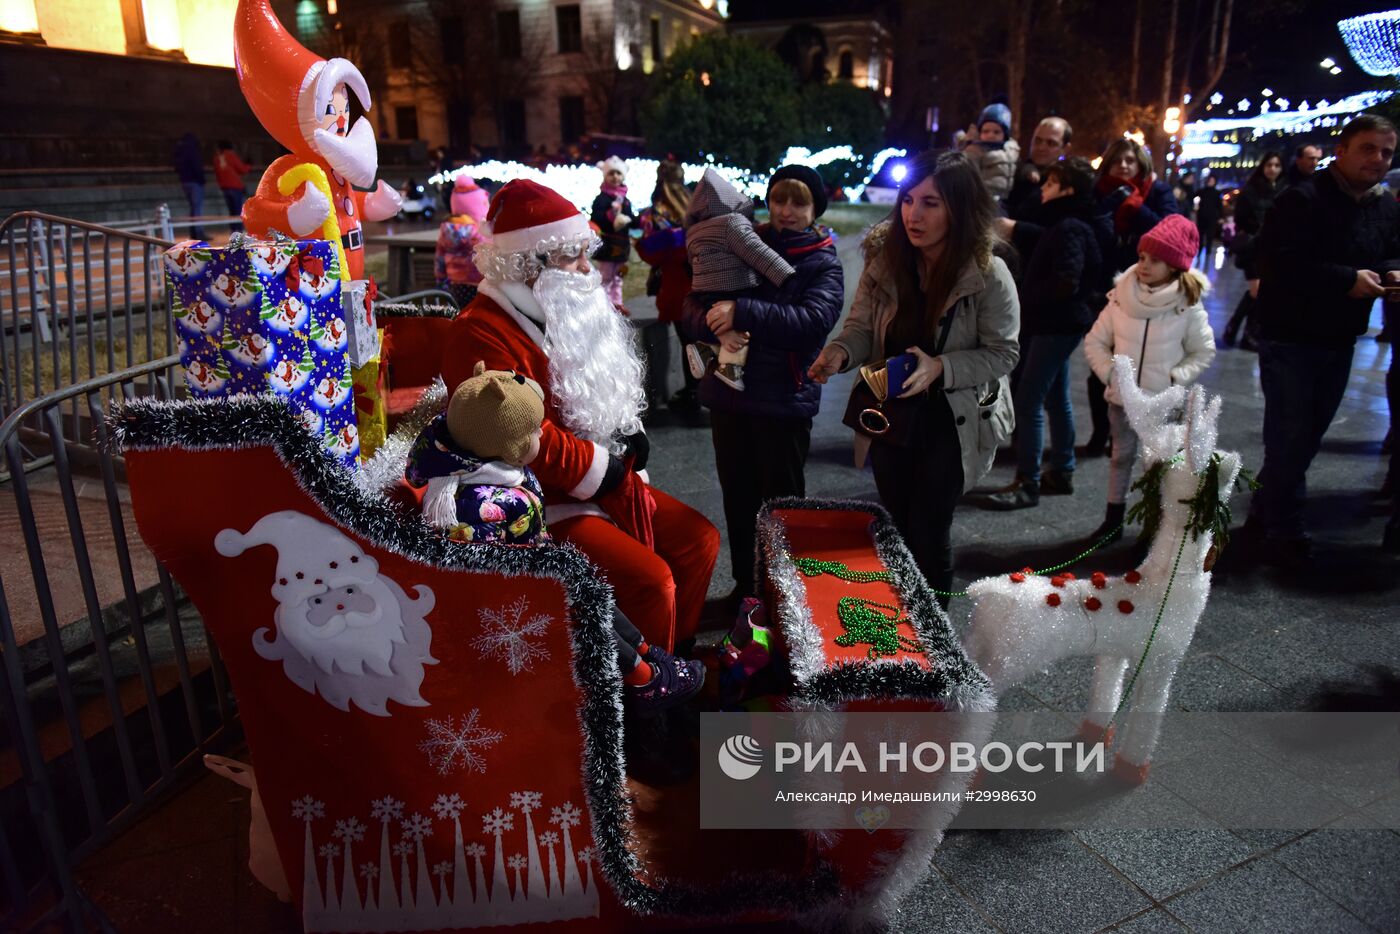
1169 342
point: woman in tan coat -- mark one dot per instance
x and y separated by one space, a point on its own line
933 288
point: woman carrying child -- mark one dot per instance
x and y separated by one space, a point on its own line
1154 316
762 434
933 288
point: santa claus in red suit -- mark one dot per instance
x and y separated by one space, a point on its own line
304 102
541 311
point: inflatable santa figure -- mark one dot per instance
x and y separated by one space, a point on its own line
303 100
541 311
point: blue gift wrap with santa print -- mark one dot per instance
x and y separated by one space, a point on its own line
261 318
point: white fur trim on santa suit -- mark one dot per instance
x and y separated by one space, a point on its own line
496 291
597 469
529 238
382 203
306 214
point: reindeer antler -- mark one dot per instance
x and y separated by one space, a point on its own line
1150 414
1202 428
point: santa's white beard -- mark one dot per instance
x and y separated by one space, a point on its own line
595 374
355 155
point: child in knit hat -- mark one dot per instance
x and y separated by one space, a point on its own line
474 460
613 214
457 238
990 147
1154 316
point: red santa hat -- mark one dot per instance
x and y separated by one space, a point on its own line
311 557
287 86
526 216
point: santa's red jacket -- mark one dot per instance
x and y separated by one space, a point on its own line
492 328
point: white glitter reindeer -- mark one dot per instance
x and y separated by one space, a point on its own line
1139 624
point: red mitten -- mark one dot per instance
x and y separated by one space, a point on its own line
631 505
1128 210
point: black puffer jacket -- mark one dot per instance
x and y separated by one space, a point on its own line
788 326
1070 270
1250 209
1315 239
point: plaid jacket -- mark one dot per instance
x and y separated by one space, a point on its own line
726 254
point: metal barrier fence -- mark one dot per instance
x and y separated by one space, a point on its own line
78 300
109 688
103 712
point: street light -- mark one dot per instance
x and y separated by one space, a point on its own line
1172 123
1327 63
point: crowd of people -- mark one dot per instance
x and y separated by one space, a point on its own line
976 293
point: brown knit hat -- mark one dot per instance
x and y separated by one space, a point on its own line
495 414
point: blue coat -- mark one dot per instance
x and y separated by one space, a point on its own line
1158 203
788 326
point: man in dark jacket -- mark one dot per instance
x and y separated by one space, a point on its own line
1305 160
1049 144
1062 290
762 434
1329 248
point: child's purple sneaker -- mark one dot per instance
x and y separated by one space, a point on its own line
673 681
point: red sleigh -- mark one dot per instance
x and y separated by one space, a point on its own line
474 775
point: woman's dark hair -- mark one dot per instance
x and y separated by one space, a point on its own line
1076 173
1115 150
1257 176
971 238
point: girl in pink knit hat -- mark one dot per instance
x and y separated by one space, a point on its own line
1154 316
457 238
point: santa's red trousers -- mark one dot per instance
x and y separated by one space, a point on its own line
661 591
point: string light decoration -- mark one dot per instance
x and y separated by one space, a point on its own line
1219 137
579 183
1374 42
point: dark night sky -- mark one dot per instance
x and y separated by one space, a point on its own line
1282 51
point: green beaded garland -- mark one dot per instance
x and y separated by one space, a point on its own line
812 567
865 625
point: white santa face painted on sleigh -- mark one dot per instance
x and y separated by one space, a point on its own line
344 630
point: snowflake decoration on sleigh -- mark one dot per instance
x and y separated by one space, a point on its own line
451 746
507 633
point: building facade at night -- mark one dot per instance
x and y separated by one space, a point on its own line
507 76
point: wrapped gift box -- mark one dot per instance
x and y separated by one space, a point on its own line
265 318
